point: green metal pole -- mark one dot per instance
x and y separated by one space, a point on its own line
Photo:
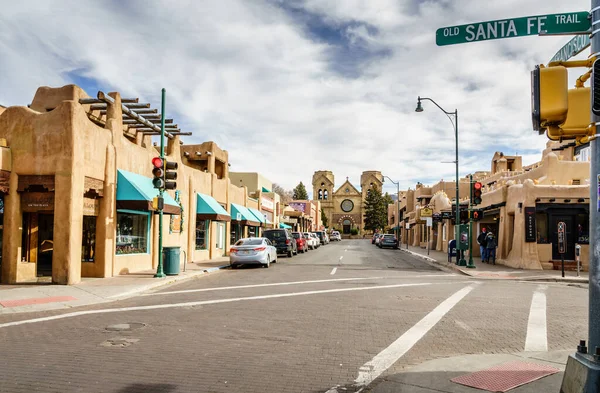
159 269
471 265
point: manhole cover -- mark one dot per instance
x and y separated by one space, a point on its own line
125 327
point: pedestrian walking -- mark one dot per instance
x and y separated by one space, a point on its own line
490 246
482 243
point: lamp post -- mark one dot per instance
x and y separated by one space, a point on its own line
419 108
397 211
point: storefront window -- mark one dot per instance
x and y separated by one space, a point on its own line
202 234
541 225
132 233
236 231
88 246
252 231
583 229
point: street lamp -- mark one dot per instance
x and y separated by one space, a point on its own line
398 211
419 108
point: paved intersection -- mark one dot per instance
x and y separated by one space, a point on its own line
340 318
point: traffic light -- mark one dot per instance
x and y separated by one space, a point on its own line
549 97
158 172
477 215
476 193
578 120
170 169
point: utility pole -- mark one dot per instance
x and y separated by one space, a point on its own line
471 264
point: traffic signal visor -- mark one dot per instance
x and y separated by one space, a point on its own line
578 116
477 188
549 96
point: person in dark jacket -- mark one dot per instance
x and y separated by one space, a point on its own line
491 245
482 243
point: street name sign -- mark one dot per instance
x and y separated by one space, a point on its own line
572 48
553 24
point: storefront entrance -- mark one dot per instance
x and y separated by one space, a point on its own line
38 241
347 225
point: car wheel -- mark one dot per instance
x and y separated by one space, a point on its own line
233 266
268 263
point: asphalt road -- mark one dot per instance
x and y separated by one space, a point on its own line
336 319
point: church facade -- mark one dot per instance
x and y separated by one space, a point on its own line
343 206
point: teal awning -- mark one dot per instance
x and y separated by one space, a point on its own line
242 214
135 192
207 208
258 215
284 226
265 190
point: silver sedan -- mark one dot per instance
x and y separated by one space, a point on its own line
252 251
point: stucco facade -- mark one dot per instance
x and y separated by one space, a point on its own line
64 172
522 206
344 206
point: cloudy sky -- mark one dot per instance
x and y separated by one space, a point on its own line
289 87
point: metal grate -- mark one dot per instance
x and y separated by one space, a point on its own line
505 377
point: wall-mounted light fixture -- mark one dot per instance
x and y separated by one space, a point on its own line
581 200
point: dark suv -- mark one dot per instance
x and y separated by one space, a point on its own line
321 236
283 241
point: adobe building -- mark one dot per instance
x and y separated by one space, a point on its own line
344 206
260 190
76 190
521 205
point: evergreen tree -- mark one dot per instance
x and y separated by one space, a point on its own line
300 192
324 218
388 199
375 210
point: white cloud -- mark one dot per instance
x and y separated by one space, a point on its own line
254 77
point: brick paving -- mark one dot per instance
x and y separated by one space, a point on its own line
306 343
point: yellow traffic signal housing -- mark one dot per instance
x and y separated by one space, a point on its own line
549 97
578 120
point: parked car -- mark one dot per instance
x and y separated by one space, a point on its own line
388 240
335 236
378 239
316 238
374 237
283 241
322 237
252 251
313 241
301 242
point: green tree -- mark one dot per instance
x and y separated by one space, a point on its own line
375 210
324 218
300 192
388 199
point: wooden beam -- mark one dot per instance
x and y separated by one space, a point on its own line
137 125
103 111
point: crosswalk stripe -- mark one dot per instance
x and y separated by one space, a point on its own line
537 335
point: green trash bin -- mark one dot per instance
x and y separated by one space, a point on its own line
171 260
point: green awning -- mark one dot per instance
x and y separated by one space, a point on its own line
265 190
207 208
284 226
258 215
135 192
242 214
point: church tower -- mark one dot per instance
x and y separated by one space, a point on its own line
323 182
370 179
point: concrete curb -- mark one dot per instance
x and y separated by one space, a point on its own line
437 264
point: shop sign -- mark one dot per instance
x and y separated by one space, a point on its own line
530 232
301 207
37 201
268 215
91 207
426 212
562 237
447 215
266 203
437 217
291 221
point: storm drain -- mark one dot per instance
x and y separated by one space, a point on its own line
125 327
505 377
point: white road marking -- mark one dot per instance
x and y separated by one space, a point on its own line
205 302
292 283
333 271
537 336
341 258
345 250
386 358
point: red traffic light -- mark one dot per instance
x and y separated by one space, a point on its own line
477 185
157 162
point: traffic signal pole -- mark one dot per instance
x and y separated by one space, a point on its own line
159 269
471 265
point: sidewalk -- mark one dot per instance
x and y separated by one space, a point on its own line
499 272
42 297
436 375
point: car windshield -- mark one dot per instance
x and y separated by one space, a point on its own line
249 242
296 235
275 234
388 236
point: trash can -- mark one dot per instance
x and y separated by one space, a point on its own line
171 260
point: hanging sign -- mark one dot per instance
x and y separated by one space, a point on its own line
562 237
37 201
530 232
426 212
91 207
